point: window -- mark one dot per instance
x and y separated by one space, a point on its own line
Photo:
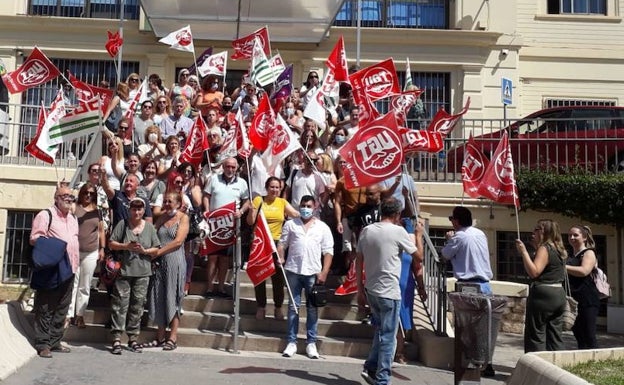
550 103
16 248
596 7
395 14
104 9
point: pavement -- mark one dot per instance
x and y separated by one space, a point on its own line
94 365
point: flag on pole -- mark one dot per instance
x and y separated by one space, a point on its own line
35 71
113 44
420 141
408 76
444 123
337 62
262 124
86 92
277 65
40 146
283 88
182 39
200 60
243 47
196 144
499 183
261 72
282 143
473 168
242 141
260 265
214 65
82 120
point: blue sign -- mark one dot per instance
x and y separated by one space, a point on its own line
506 91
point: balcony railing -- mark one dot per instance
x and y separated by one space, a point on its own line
95 9
429 14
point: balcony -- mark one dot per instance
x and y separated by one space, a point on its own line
418 14
94 9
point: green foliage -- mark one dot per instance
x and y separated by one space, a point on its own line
608 372
594 198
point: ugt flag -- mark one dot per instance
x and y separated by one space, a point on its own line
499 182
35 71
473 168
222 230
243 47
260 265
182 39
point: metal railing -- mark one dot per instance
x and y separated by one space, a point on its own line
100 9
434 278
425 14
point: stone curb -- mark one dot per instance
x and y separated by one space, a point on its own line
15 339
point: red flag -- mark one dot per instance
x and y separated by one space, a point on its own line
499 183
473 168
368 111
262 124
350 284
373 154
196 144
221 232
113 43
86 92
35 71
260 265
420 141
32 148
377 81
242 141
243 47
337 62
282 143
401 104
443 122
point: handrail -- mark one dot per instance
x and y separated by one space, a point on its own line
434 278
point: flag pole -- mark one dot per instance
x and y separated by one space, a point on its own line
120 53
358 33
237 264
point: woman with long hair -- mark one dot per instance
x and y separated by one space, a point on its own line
151 187
92 242
582 287
183 88
162 110
121 99
545 304
170 161
175 183
114 148
309 140
337 138
125 133
134 83
167 287
275 210
210 97
308 88
153 148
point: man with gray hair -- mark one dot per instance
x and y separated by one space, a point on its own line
379 253
176 123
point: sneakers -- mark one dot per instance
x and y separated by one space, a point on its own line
311 351
290 350
367 320
369 376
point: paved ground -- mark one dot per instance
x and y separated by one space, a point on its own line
94 365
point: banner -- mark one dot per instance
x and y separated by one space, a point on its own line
473 168
222 230
377 81
261 72
260 265
214 65
196 144
261 125
282 143
337 62
243 47
499 183
83 120
401 104
40 146
86 92
277 65
182 39
420 141
283 87
373 154
200 60
113 44
444 123
35 71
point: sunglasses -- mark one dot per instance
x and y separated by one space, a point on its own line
94 170
147 107
179 182
168 201
162 102
134 80
123 127
313 76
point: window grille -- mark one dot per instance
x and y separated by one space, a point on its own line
19 224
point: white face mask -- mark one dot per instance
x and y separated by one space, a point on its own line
214 86
152 138
290 111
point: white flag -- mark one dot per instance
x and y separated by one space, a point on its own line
277 65
181 39
317 107
214 65
83 120
261 72
56 113
408 76
283 142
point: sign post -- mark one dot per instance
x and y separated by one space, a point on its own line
506 97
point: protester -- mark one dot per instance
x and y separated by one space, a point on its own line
310 246
379 253
167 287
177 124
51 304
92 241
120 200
151 187
275 210
136 240
114 147
579 268
305 181
152 148
543 326
142 121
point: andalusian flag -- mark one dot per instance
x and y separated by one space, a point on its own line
261 71
83 120
408 76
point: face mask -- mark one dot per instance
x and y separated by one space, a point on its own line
214 87
226 108
152 138
340 139
306 212
290 111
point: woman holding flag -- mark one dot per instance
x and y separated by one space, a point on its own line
275 210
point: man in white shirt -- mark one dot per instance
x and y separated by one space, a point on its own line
307 239
177 124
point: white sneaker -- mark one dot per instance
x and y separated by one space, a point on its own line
290 350
311 351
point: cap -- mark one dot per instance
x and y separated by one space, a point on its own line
137 201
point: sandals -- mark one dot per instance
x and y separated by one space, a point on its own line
135 347
153 344
170 345
116 349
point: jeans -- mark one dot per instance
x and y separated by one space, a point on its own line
50 312
386 317
297 283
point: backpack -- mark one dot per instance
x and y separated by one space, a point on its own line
600 280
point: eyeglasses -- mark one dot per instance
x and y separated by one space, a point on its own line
65 196
179 182
162 102
184 75
94 170
92 193
168 201
314 159
148 107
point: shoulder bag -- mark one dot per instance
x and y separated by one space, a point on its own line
571 306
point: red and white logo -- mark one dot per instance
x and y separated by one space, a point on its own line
378 82
280 139
33 72
504 168
378 154
221 225
184 38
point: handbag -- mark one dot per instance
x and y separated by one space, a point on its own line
318 295
114 118
600 280
195 225
571 306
